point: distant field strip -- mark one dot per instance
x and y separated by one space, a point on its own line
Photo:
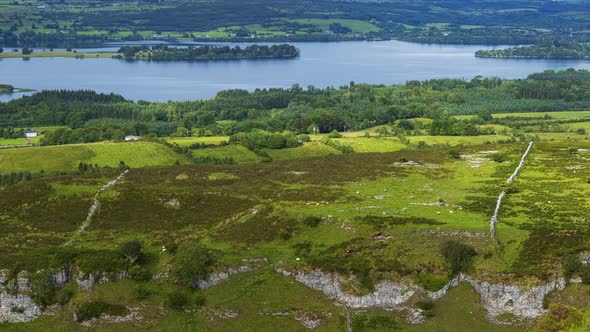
494 218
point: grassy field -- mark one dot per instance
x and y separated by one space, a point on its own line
373 206
67 157
13 141
56 54
324 24
554 115
187 141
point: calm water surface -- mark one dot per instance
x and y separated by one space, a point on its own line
320 64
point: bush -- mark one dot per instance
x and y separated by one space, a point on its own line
427 307
334 134
304 138
200 300
171 248
498 157
176 300
458 255
312 221
94 309
454 154
193 262
586 274
140 273
571 266
42 288
65 295
141 292
131 250
285 234
559 318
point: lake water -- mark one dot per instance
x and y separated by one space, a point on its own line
320 64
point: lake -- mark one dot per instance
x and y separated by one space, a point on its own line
320 64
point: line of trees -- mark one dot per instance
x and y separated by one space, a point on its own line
92 116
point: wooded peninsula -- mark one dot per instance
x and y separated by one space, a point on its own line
549 50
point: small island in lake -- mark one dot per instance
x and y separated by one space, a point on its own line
5 88
167 53
207 52
549 50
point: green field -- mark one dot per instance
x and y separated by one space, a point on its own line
56 158
56 54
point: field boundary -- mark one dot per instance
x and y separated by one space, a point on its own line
512 177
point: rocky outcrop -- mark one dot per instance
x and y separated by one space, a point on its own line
387 294
17 308
500 299
216 278
497 299
86 281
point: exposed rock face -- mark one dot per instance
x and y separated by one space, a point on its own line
86 281
387 294
501 299
216 278
17 308
497 299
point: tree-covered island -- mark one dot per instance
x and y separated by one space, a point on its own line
549 50
207 52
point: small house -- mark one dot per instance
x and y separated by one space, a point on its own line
132 138
31 133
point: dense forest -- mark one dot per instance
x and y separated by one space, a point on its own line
558 49
442 21
92 116
207 52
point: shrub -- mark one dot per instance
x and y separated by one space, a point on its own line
140 273
285 234
559 318
427 307
312 221
200 300
334 134
193 262
498 157
65 295
458 255
586 274
171 248
176 300
94 309
17 309
131 250
454 154
141 292
571 266
304 138
42 288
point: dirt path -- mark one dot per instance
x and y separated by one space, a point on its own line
512 177
94 206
